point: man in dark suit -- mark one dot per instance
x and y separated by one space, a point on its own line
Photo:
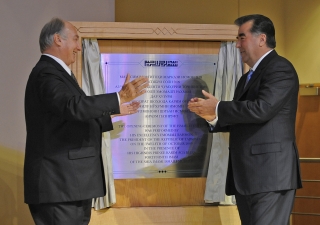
263 171
63 165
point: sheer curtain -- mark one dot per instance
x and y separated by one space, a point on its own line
93 84
229 71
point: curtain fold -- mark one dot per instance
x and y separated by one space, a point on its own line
93 84
229 71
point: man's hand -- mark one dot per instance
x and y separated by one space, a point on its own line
205 108
128 109
133 89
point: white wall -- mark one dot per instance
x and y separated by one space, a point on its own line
20 25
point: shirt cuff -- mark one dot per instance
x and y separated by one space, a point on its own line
118 98
214 122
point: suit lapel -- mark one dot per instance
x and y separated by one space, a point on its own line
63 72
240 87
255 76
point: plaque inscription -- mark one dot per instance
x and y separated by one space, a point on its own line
164 139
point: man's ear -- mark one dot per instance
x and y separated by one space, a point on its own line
262 40
57 39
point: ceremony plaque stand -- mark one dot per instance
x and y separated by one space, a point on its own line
156 38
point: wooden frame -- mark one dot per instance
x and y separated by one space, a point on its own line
151 31
161 191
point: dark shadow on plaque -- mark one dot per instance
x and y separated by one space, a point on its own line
118 128
196 161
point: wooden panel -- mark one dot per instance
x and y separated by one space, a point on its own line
156 38
307 126
310 171
161 191
191 215
158 47
308 141
307 205
157 31
307 199
151 32
305 219
311 189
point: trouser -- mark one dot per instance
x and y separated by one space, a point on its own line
62 213
270 208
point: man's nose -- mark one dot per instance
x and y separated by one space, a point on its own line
79 47
238 45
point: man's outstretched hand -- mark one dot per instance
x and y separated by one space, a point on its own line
133 89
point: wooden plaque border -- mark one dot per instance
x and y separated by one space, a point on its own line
151 31
155 191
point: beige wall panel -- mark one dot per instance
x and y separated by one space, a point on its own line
177 11
274 10
302 19
203 12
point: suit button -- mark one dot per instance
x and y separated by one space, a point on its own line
104 113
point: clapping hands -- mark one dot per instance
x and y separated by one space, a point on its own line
205 108
128 108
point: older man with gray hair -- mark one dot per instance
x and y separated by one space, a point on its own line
63 165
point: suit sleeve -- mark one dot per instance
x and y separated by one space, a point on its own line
264 100
105 123
56 94
217 128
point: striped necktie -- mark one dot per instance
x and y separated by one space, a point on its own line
249 77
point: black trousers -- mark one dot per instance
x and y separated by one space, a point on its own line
63 213
270 208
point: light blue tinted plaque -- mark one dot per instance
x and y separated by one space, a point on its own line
164 139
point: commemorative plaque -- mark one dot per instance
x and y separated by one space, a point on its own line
164 139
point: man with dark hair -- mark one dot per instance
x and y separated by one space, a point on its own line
63 168
263 170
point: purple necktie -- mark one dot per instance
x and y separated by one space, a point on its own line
248 77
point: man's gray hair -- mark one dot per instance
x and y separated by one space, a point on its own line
54 26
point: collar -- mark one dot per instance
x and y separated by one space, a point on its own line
261 58
65 67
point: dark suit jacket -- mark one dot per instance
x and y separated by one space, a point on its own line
261 121
64 126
